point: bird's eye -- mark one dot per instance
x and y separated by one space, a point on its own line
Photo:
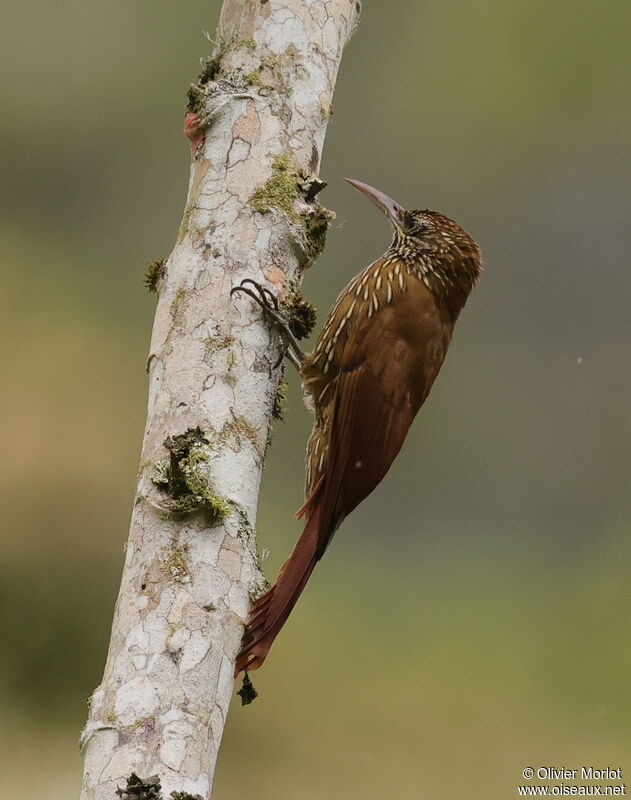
415 227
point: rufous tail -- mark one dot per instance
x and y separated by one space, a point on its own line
272 609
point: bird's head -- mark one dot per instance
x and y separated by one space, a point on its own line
428 241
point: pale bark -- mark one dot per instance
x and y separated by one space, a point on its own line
188 575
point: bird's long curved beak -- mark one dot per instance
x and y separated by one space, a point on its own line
393 210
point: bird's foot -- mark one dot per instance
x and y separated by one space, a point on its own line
271 308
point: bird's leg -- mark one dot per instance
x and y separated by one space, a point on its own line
269 304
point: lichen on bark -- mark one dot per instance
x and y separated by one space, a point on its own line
185 475
280 190
154 273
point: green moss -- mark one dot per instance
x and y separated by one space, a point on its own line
278 409
141 788
239 427
254 78
259 585
194 101
280 190
176 564
273 65
181 444
248 42
230 359
197 483
211 67
215 343
161 474
316 223
268 74
219 507
154 274
301 315
186 219
310 186
185 476
176 306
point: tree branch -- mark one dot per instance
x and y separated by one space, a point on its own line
256 120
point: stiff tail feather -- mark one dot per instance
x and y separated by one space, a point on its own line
272 609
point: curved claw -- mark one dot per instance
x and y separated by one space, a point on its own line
264 297
270 306
263 291
257 299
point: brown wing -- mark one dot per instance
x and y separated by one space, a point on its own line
366 395
387 368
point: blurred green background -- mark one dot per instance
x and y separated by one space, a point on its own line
472 616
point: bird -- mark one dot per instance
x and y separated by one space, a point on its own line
371 370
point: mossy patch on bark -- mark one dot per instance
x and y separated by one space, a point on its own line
186 220
154 273
280 190
141 788
150 789
176 564
213 344
301 315
254 78
240 428
176 306
185 476
211 67
280 398
316 225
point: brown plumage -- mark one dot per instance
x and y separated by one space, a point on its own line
372 368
